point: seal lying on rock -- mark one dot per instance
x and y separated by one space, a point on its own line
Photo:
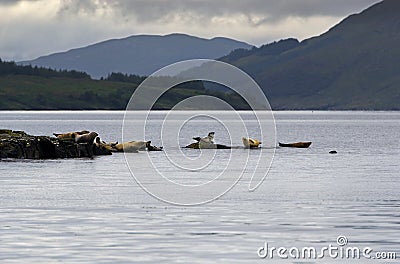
104 145
153 148
206 143
70 135
250 143
131 146
135 146
207 139
196 145
86 138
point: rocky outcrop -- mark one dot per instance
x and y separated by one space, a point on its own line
19 145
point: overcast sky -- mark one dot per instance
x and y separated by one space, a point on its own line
32 28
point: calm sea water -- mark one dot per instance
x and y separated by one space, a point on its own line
93 211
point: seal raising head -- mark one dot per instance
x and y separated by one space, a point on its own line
250 143
86 138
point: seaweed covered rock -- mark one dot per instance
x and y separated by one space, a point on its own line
19 145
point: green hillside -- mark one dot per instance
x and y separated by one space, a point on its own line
355 65
28 88
33 92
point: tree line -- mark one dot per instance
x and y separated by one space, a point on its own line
11 68
136 79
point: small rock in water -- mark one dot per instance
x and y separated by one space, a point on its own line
333 152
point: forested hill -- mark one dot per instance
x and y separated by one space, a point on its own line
36 88
355 65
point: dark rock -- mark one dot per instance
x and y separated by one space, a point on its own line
219 146
195 145
154 148
19 145
333 152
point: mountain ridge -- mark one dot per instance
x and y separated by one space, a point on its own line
137 54
354 65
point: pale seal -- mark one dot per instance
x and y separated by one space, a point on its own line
250 143
70 135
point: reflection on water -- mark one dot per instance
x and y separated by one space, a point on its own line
91 210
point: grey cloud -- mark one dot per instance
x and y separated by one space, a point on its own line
67 24
14 2
73 7
148 11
